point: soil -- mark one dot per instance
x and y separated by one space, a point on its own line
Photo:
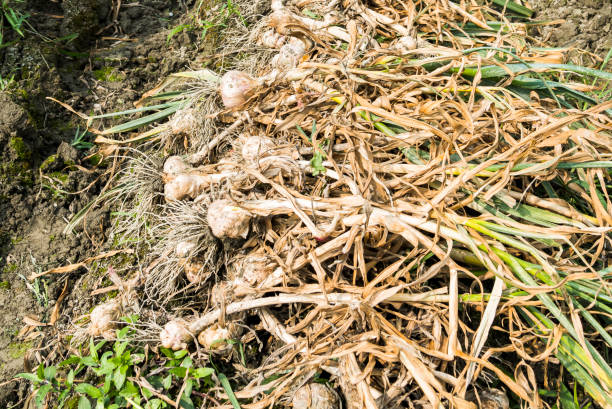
587 24
115 57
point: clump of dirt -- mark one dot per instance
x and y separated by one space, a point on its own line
96 56
587 23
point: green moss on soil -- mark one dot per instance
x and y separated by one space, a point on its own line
62 177
22 150
10 268
5 285
108 74
17 350
47 162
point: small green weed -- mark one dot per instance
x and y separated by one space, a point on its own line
79 142
39 288
120 376
5 83
319 155
13 17
219 19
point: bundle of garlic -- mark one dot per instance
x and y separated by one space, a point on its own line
372 196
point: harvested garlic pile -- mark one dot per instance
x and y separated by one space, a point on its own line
314 396
103 319
175 335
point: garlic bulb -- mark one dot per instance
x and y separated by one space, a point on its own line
175 165
255 147
185 248
236 88
222 293
184 186
195 273
405 44
314 396
184 121
256 268
175 335
214 337
290 54
102 319
228 220
272 39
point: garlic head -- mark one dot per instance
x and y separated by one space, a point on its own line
236 88
175 335
227 220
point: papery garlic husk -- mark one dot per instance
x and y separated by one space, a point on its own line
405 44
255 147
184 186
175 165
103 319
216 337
272 39
227 220
175 335
184 121
236 88
254 269
222 293
185 248
195 271
282 21
290 54
315 396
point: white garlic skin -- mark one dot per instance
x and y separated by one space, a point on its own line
290 54
185 248
256 147
271 39
405 44
175 165
256 268
236 87
214 337
314 396
184 186
227 220
175 335
102 319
